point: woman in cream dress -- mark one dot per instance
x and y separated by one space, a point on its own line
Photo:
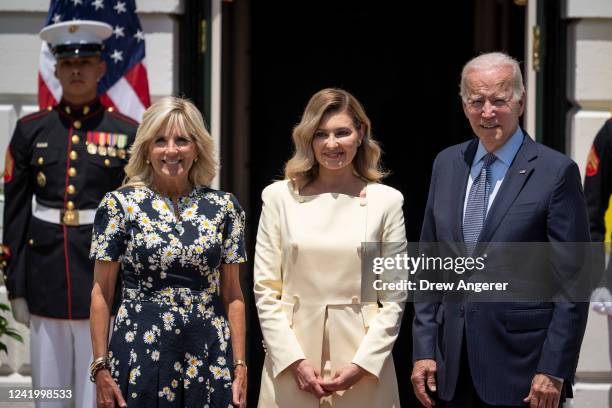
325 346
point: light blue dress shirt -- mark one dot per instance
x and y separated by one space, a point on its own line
505 155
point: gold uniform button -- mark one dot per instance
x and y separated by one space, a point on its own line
75 139
40 161
107 162
77 124
31 241
72 172
41 179
67 109
85 110
71 189
73 155
70 205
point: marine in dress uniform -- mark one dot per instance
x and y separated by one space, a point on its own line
59 164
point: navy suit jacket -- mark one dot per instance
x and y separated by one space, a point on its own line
539 200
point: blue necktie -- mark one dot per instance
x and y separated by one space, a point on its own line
478 200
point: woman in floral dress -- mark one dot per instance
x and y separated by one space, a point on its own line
178 336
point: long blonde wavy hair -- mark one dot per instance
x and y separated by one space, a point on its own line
302 168
164 116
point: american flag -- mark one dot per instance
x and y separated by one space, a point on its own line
125 85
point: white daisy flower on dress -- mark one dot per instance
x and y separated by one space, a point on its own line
129 336
155 355
217 323
193 361
216 372
111 203
134 373
153 239
159 205
168 255
139 195
122 312
168 318
149 337
133 356
131 209
191 372
189 214
171 396
112 226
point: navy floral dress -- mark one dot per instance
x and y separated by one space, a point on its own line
170 345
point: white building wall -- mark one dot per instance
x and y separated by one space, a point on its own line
590 88
20 22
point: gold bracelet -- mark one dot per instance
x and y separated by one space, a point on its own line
97 365
240 362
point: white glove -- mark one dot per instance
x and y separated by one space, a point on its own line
601 301
21 313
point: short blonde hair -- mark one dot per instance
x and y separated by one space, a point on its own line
164 116
302 168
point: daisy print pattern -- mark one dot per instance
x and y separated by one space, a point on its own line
170 343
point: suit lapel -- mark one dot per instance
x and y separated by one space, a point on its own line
461 172
518 173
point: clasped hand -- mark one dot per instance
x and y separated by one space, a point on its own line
309 379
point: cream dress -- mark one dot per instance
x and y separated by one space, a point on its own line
308 293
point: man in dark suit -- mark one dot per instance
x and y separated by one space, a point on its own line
500 187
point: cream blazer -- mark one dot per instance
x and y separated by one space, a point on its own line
308 280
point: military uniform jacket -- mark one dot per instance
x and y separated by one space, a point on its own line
49 159
598 187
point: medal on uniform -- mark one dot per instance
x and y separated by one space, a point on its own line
91 143
121 143
102 144
41 179
112 142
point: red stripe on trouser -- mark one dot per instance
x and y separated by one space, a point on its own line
68 285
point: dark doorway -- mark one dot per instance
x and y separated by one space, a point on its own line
404 66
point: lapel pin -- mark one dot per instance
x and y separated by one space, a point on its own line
522 171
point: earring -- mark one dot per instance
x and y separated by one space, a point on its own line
148 162
195 160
